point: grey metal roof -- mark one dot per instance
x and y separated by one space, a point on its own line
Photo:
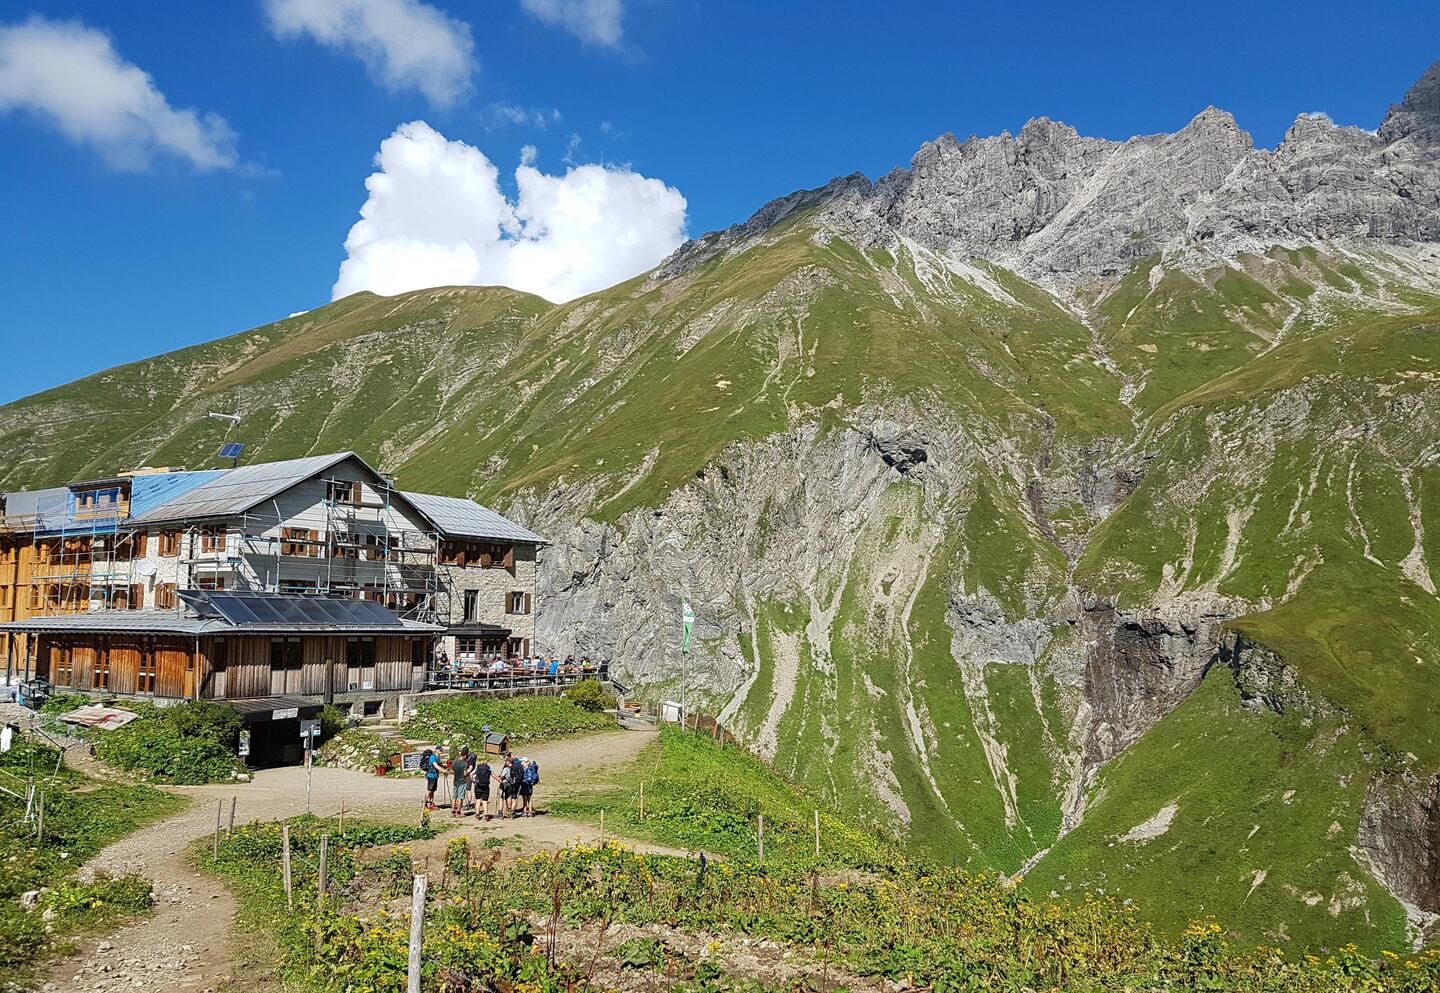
120 621
458 518
239 489
259 708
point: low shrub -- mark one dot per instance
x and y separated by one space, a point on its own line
188 744
64 702
333 720
81 905
589 695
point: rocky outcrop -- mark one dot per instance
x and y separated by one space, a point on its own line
1400 839
1138 668
1065 209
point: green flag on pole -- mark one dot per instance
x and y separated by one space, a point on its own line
687 618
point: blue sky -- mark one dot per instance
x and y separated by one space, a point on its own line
109 256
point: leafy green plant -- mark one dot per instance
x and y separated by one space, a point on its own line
333 720
187 744
589 695
79 904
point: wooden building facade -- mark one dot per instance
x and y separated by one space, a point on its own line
213 652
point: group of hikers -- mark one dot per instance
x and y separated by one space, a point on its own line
513 778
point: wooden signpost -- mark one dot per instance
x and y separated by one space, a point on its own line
417 935
285 864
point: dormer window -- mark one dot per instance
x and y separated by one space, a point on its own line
346 491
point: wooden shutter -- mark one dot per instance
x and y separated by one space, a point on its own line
527 603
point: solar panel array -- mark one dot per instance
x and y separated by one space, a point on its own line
243 609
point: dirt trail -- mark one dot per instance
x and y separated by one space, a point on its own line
185 945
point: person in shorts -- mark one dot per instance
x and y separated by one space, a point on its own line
529 779
460 782
430 765
482 789
503 775
517 783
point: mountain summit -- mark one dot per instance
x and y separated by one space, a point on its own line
1065 209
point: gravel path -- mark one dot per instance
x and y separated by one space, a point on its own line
185 944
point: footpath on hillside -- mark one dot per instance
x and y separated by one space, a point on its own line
185 945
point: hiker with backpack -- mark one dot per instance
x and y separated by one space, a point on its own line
460 776
517 783
430 765
529 779
504 776
482 789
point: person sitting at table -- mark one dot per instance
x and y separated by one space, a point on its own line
497 667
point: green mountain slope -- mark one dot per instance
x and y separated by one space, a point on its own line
1000 569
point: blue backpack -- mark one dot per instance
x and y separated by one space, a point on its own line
532 774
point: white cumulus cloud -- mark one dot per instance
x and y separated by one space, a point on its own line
71 77
405 44
437 216
594 21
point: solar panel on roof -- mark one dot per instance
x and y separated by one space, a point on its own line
232 449
296 611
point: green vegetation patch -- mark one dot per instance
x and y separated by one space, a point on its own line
460 720
82 816
1245 816
705 797
572 919
187 744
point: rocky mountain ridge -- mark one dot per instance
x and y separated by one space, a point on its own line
1067 210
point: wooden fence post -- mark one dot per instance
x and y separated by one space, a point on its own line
219 809
231 829
417 935
40 819
762 837
817 832
324 880
642 799
285 864
342 816
602 827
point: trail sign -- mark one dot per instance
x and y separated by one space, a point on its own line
309 729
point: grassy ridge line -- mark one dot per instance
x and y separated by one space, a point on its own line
703 797
82 816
